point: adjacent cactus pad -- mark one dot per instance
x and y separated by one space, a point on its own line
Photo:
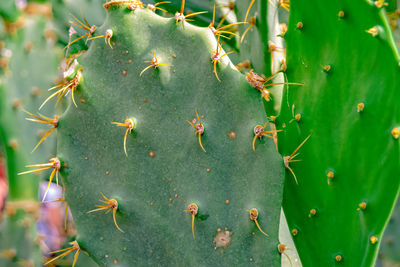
257 49
189 189
254 38
348 176
30 70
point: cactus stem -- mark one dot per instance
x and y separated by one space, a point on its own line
288 159
69 86
43 119
199 129
66 251
153 63
259 132
282 248
107 37
192 209
253 217
112 204
130 124
216 57
54 163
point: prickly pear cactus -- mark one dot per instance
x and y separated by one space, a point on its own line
344 54
29 69
181 189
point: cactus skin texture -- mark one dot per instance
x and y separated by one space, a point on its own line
166 169
32 69
364 166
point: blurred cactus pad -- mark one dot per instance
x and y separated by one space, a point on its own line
182 131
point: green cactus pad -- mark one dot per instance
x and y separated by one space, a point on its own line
31 70
349 170
166 169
